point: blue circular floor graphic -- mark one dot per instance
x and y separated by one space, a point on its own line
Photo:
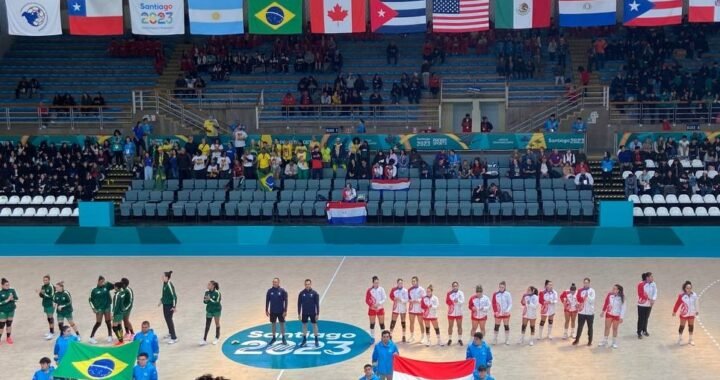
337 342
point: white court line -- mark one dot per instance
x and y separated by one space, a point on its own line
322 297
700 322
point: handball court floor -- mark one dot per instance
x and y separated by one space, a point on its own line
342 281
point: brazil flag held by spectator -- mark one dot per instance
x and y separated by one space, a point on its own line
89 362
267 182
275 16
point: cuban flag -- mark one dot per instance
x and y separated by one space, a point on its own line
346 213
409 369
587 12
390 184
398 16
652 12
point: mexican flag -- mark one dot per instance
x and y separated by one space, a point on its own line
522 14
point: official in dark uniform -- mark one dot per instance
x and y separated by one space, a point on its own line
309 309
276 303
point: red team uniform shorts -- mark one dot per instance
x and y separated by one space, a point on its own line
376 313
455 317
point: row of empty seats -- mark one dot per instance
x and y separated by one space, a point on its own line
36 200
711 173
696 199
54 212
676 211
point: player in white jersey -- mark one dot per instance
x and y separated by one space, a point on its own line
415 296
502 306
429 306
375 298
455 299
399 298
479 305
586 311
647 294
548 298
614 312
530 303
570 304
687 305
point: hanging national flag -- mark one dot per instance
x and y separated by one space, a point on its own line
409 369
83 361
704 11
398 16
95 17
216 17
587 12
652 12
161 18
275 16
337 16
33 18
346 213
522 14
460 16
267 182
390 184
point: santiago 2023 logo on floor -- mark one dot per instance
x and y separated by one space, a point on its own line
338 342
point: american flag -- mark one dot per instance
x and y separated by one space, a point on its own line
458 16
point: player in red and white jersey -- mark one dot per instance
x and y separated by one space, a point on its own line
689 308
375 297
548 298
647 294
479 306
614 312
530 303
415 296
429 307
570 304
455 299
399 298
502 306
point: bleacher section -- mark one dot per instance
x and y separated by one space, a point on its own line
58 208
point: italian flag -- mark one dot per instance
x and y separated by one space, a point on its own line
704 11
522 14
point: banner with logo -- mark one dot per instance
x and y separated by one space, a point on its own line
33 18
157 17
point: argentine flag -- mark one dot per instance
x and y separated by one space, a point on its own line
216 17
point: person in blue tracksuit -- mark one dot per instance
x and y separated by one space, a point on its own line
480 351
63 343
482 374
368 373
46 370
309 309
144 370
148 342
382 356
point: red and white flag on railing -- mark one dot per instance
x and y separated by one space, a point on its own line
389 184
409 369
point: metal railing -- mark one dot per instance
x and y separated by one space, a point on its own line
562 107
639 113
66 117
164 105
218 98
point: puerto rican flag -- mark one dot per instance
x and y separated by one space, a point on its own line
346 213
704 11
409 369
652 12
390 184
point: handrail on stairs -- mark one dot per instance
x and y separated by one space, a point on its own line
561 108
166 105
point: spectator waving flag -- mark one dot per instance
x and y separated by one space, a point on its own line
398 16
460 16
587 12
216 17
522 14
704 11
95 17
87 362
275 16
33 18
337 16
409 369
652 12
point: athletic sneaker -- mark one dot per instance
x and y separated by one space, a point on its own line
49 336
203 343
10 340
449 342
691 342
79 339
215 342
272 341
411 340
92 341
565 336
646 334
460 342
602 344
427 343
679 341
439 342
284 342
532 343
118 343
614 345
172 341
166 337
109 339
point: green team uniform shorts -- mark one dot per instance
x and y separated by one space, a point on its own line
7 315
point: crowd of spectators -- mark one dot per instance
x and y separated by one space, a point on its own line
139 47
51 169
27 88
64 104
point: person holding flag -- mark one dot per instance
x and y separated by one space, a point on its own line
647 294
101 305
547 298
382 356
480 351
399 298
144 370
479 307
455 299
46 370
47 292
375 297
63 343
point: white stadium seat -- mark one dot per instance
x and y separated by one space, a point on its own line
71 200
714 211
637 211
688 211
712 173
41 212
646 199
699 173
49 200
54 212
662 211
650 164
671 198
675 211
66 212
17 212
697 164
25 200
3 199
709 199
658 199
697 199
626 174
76 212
685 163
634 198
684 199
61 200
14 200
649 211
5 212
37 200
701 211
29 212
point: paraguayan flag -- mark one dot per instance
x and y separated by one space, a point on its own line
216 17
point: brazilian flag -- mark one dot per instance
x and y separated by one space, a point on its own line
275 16
98 363
267 182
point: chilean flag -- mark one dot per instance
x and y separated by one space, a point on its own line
390 184
409 369
337 16
652 12
704 11
95 17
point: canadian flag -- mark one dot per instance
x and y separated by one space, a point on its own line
337 16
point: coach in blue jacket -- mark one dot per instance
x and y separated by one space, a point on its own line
148 342
480 351
382 357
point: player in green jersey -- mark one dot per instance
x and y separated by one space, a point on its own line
63 300
47 292
213 309
101 304
8 298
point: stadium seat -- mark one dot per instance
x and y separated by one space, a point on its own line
37 200
701 211
663 212
688 211
66 212
76 212
29 212
13 200
548 208
684 199
588 208
658 199
4 199
646 199
5 212
41 212
150 209
671 199
125 209
138 208
709 199
697 199
25 200
714 211
493 209
519 209
675 211
17 212
49 200
52 213
649 211
637 212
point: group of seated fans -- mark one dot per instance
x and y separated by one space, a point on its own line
27 88
48 169
139 47
64 104
687 166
